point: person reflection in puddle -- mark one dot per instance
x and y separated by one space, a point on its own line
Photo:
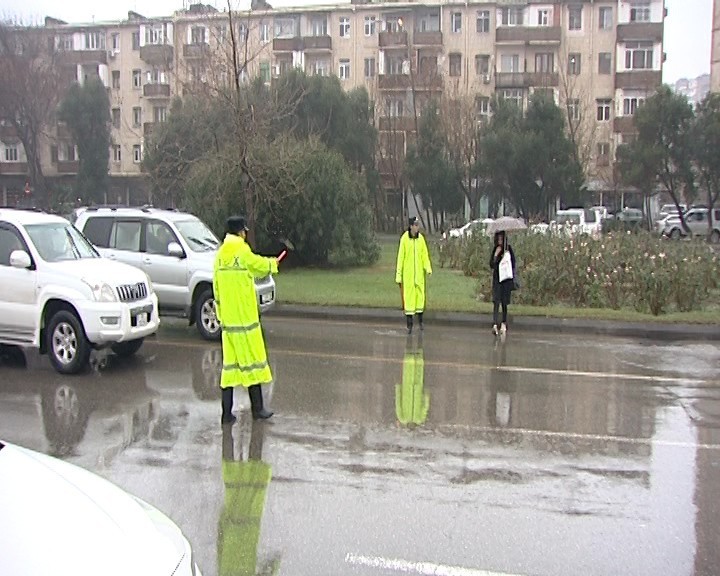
246 480
412 403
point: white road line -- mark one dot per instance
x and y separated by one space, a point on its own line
423 568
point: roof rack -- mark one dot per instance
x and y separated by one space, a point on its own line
30 209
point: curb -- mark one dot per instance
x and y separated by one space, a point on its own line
647 330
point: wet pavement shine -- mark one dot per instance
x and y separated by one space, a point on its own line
446 452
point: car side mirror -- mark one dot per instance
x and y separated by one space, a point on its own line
174 249
20 259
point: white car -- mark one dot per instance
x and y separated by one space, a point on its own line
60 519
60 296
578 221
466 230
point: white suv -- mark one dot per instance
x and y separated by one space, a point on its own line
177 251
59 295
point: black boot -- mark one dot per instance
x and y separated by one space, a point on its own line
256 403
227 403
409 319
421 322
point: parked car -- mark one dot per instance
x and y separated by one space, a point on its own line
670 210
696 220
466 230
60 296
176 249
628 219
60 519
577 221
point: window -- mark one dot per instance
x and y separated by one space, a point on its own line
242 32
574 62
544 62
116 153
158 237
11 154
482 64
604 63
159 113
265 32
137 153
638 55
482 23
94 41
482 105
510 63
369 67
116 79
573 109
630 105
137 78
9 242
513 95
395 65
197 35
455 64
606 18
137 117
97 230
394 107
512 16
54 154
115 114
392 24
344 71
115 42
321 68
603 110
265 72
640 12
543 18
603 149
221 33
370 22
125 234
456 22
157 35
344 27
319 27
575 17
136 40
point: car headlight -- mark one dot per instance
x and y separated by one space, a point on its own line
151 288
101 291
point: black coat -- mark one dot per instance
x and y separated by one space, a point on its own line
501 291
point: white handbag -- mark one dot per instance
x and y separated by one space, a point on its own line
505 271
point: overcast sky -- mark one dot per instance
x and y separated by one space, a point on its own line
687 29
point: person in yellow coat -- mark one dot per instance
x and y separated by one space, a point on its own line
243 347
412 403
413 264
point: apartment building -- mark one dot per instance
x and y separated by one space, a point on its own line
598 59
715 49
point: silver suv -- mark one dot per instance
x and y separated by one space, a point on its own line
697 221
176 249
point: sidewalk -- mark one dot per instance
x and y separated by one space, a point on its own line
649 330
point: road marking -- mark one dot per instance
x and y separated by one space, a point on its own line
424 568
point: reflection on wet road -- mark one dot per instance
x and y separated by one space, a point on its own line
448 452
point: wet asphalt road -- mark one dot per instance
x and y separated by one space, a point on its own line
450 453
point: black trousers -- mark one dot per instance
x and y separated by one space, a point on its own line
496 307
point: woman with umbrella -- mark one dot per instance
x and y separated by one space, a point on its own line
502 264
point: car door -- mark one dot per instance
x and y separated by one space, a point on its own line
169 274
18 310
125 241
698 223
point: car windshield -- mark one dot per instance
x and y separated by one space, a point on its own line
198 236
568 219
60 241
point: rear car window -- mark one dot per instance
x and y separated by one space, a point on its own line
97 230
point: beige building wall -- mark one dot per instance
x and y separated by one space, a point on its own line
715 58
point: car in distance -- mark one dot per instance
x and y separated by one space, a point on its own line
696 220
60 296
176 250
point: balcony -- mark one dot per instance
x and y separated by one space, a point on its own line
317 43
393 39
640 31
526 79
157 54
640 79
156 90
434 38
13 168
7 131
288 44
624 124
68 166
397 124
421 81
528 34
196 51
75 57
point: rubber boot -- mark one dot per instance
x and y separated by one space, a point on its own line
420 318
409 319
256 403
227 403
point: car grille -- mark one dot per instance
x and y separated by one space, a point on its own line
132 292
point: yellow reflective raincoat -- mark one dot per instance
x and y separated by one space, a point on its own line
412 403
244 356
413 263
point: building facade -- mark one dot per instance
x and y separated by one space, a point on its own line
598 59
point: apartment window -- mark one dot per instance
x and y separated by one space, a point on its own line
512 16
344 71
603 110
115 42
159 113
54 154
115 115
630 105
156 76
482 105
321 68
70 153
137 78
242 32
603 149
640 12
395 65
510 63
319 27
137 117
543 18
638 55
137 153
573 109
265 32
456 22
574 63
482 64
575 17
370 23
157 35
116 79
604 63
369 67
197 35
11 154
482 23
286 28
221 33
455 64
606 18
395 107
513 95
265 72
94 41
64 43
393 25
116 153
544 62
344 27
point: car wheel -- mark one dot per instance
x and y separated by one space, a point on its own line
126 349
67 345
675 234
206 318
715 237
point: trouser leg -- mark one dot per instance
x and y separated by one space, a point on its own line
227 404
496 308
504 312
